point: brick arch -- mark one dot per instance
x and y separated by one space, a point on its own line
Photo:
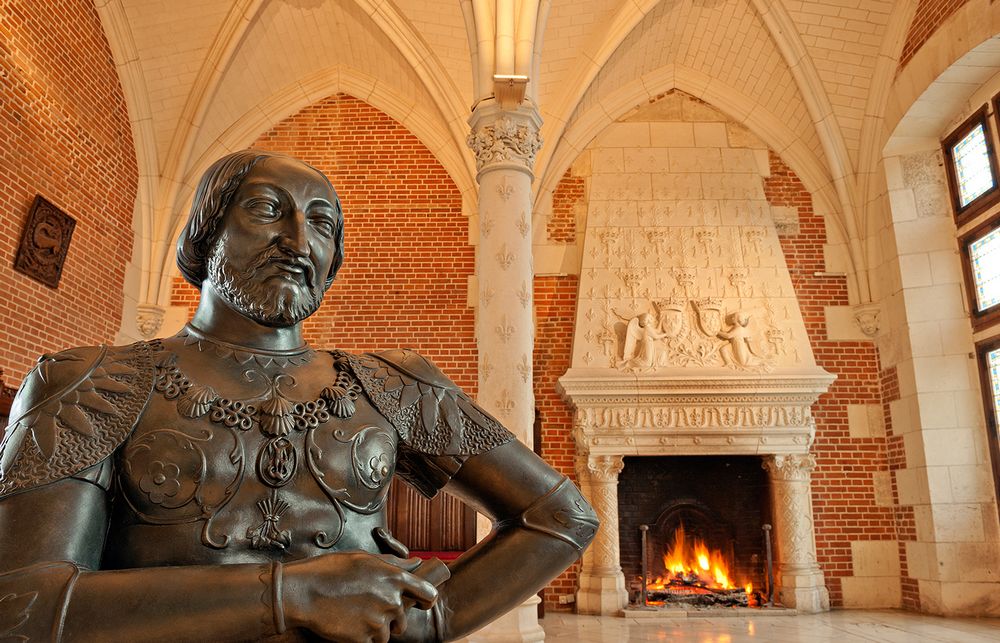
966 29
929 16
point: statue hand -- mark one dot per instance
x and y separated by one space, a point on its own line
354 596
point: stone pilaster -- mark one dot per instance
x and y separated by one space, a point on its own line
799 579
504 143
602 584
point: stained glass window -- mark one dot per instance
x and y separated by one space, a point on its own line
984 255
972 165
993 364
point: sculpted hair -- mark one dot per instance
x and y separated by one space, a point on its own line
211 199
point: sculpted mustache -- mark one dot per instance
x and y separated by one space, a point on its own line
274 254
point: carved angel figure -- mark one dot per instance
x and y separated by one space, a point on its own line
640 345
739 351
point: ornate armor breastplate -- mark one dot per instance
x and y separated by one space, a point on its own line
263 473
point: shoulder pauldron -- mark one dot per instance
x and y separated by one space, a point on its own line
72 411
430 413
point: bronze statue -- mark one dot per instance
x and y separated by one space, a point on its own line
229 483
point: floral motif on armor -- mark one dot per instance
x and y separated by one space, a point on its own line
381 468
160 481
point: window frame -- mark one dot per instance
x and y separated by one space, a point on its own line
993 433
989 316
989 198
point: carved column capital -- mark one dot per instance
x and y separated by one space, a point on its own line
605 468
149 319
505 138
790 467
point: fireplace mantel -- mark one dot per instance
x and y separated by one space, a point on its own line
680 412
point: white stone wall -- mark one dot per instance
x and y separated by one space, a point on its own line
947 478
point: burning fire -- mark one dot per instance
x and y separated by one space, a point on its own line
692 563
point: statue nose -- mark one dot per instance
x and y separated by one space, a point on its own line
294 237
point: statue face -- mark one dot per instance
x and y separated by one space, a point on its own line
275 244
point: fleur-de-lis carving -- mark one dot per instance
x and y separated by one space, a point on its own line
505 330
505 190
505 257
486 225
505 404
522 226
485 367
487 295
524 368
524 295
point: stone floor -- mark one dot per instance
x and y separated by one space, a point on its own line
842 626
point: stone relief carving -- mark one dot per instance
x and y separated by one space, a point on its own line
667 334
867 317
505 141
692 414
149 319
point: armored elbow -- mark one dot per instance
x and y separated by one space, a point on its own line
563 513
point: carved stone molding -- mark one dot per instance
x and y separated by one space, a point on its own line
694 415
505 138
149 319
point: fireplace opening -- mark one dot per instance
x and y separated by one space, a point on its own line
704 538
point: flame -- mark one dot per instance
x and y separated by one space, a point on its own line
689 560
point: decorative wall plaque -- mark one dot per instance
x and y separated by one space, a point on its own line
44 243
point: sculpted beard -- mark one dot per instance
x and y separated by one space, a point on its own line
254 298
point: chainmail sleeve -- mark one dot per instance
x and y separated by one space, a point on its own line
439 426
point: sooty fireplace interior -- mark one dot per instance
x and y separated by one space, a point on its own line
705 516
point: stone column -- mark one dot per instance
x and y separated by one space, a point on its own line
602 584
799 579
505 143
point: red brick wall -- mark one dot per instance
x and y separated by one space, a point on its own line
555 319
64 133
843 491
929 16
570 192
906 526
407 256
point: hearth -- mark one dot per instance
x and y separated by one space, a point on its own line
700 519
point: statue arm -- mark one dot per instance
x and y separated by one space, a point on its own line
50 552
541 525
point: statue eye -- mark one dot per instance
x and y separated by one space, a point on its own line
264 207
323 224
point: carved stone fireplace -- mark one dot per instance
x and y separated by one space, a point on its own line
768 416
689 340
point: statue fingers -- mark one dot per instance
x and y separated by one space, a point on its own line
421 592
388 544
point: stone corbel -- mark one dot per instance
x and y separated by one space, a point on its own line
149 319
867 318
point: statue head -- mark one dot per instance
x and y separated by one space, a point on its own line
267 232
